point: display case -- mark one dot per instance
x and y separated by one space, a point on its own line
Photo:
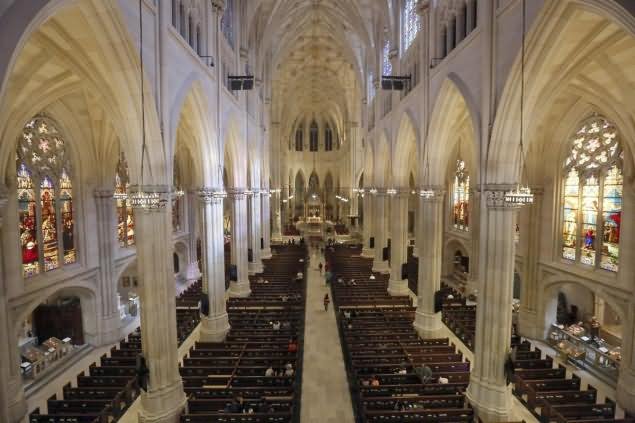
589 352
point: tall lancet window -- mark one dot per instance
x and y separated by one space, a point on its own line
177 203
313 136
461 197
386 64
328 138
592 196
45 198
299 135
411 23
125 216
227 22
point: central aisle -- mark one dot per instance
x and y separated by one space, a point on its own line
325 394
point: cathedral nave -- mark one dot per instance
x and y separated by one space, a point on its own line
317 211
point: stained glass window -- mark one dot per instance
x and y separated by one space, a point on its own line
125 215
592 196
299 134
411 23
461 197
386 64
313 136
328 138
45 200
226 22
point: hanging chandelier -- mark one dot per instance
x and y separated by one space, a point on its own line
521 195
152 197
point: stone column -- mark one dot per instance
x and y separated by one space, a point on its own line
215 325
265 212
165 399
379 264
530 323
474 228
430 241
13 406
399 242
367 251
488 391
626 380
255 228
240 287
109 323
276 229
193 271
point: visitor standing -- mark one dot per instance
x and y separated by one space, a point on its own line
327 300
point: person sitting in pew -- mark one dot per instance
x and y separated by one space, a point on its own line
286 325
347 314
293 346
269 372
374 381
365 382
288 371
276 325
424 373
402 369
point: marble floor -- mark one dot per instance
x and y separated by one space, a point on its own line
325 393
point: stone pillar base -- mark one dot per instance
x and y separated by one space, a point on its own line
626 390
110 330
255 267
396 288
492 403
368 252
239 289
381 267
265 253
16 402
214 328
427 325
530 325
163 406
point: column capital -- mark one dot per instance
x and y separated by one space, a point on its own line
208 195
432 193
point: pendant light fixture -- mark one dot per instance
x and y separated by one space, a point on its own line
144 197
521 195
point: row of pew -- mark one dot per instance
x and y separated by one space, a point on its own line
543 387
382 350
254 375
106 390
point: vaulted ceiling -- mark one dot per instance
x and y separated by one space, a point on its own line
315 52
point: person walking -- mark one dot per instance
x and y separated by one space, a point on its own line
327 300
320 267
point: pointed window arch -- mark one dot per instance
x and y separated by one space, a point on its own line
299 135
386 64
461 197
125 215
45 198
592 195
411 23
227 22
313 136
328 138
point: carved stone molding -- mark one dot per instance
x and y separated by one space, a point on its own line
103 193
207 195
